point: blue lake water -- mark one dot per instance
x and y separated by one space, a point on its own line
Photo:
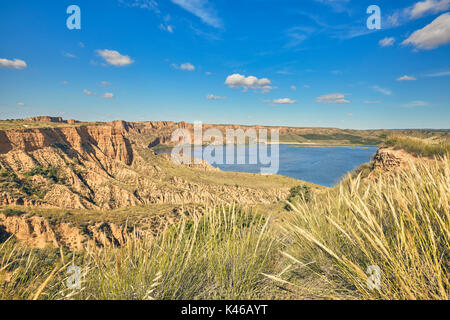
319 165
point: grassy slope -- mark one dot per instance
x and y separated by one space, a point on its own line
433 146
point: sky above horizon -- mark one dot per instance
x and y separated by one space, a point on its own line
309 63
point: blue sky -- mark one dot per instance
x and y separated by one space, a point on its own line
297 63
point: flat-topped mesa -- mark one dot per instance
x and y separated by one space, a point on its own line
46 119
51 119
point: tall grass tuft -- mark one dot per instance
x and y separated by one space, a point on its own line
219 255
398 222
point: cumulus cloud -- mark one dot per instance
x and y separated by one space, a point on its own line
251 82
428 7
385 91
387 42
202 9
13 64
406 78
436 34
115 58
108 95
88 93
332 98
214 97
185 66
284 101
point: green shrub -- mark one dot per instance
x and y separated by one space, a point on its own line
12 212
50 172
297 194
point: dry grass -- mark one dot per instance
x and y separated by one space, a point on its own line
399 222
220 255
419 146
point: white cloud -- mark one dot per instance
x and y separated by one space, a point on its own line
435 34
284 101
16 64
208 73
293 88
385 91
65 82
214 97
251 82
88 93
407 78
20 104
185 66
167 28
439 74
115 58
417 103
387 42
428 7
202 9
105 83
372 102
68 55
306 86
332 98
108 95
151 5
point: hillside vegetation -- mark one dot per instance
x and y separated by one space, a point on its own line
420 147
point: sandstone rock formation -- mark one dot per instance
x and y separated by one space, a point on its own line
106 166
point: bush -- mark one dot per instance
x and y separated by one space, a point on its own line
298 194
12 212
50 172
